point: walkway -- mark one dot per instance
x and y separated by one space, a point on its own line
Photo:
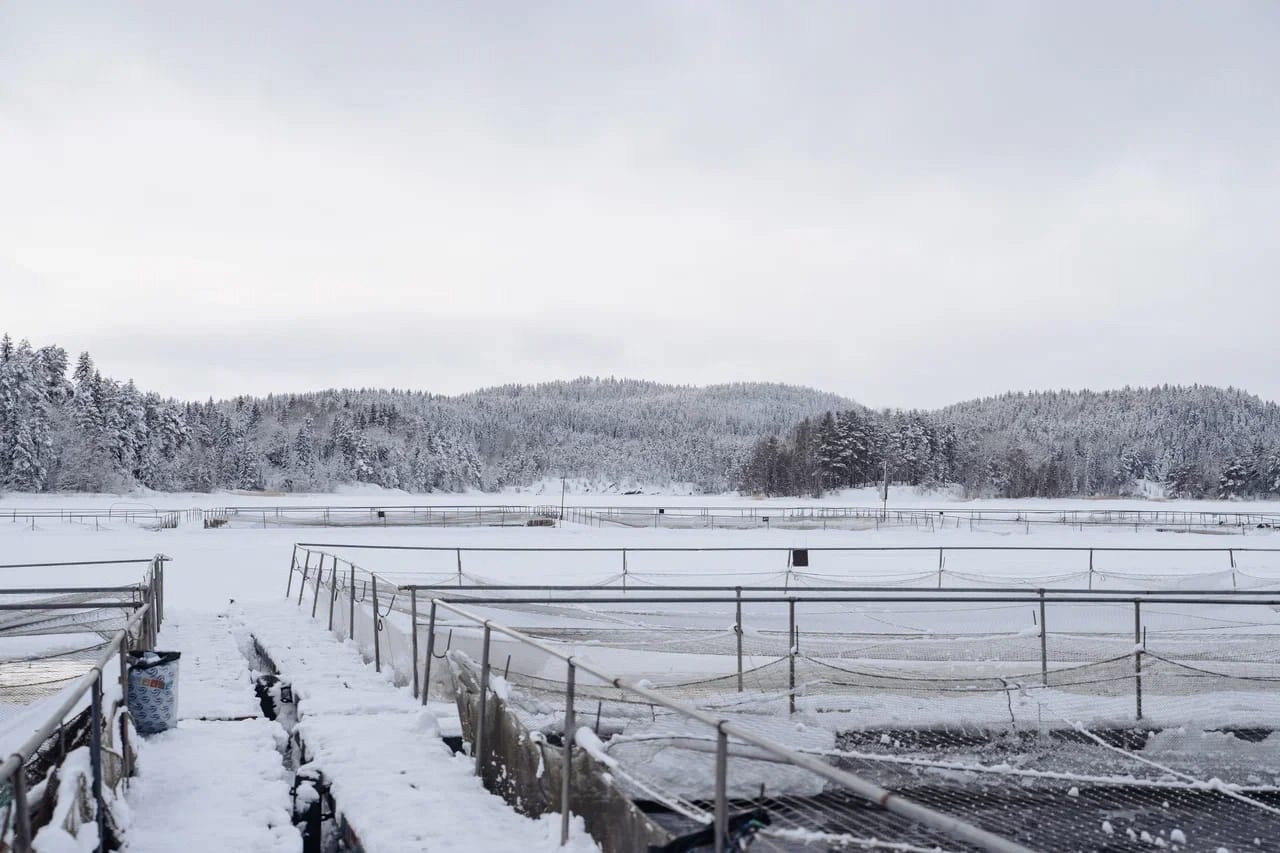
216 782
394 781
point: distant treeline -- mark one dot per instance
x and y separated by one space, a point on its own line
1189 441
89 432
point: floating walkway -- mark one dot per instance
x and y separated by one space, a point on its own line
396 786
216 782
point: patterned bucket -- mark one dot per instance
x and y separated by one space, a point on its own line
153 691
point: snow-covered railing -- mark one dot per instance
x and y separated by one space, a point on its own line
107 723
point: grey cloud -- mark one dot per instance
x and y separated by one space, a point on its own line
908 203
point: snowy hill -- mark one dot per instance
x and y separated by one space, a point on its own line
93 433
1181 441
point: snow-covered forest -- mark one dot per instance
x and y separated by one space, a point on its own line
1187 441
66 427
89 432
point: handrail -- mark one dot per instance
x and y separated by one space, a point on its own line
933 598
74 694
132 587
804 590
146 561
868 790
1137 549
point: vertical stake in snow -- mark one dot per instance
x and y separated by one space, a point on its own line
1044 644
315 599
482 712
351 616
1137 655
377 628
737 629
566 767
722 788
459 555
431 653
791 655
413 634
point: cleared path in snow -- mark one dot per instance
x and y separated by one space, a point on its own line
393 780
216 782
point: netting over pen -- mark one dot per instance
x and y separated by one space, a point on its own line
47 640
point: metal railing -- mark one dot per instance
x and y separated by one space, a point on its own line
818 516
724 728
930 518
788 559
444 610
139 631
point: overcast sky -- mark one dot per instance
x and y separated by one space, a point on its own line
907 203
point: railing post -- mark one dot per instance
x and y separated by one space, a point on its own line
315 599
1044 644
566 766
478 741
159 564
306 570
95 758
333 590
22 812
737 629
413 638
351 616
1137 655
459 555
293 566
431 651
377 628
791 655
722 789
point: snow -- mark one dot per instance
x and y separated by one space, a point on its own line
395 782
215 782
212 786
227 583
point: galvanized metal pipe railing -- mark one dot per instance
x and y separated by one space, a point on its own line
790 553
875 794
14 767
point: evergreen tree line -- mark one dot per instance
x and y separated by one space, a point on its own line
88 432
1187 441
83 431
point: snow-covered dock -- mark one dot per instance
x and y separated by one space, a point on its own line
394 782
216 782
